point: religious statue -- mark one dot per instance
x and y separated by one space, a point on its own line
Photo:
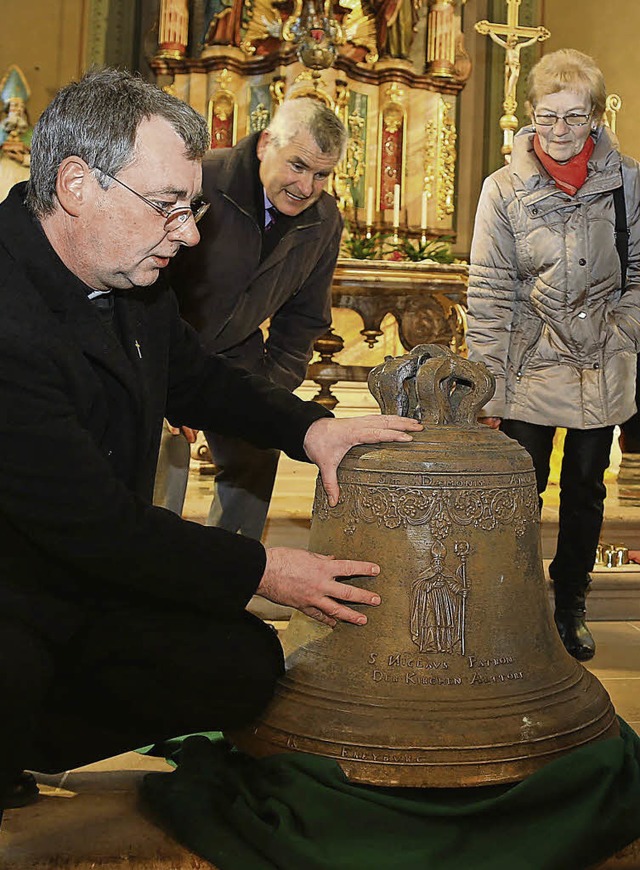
395 25
437 606
15 130
223 22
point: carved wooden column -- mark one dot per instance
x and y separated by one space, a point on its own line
174 28
441 45
440 161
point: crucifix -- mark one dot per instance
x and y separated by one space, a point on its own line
513 37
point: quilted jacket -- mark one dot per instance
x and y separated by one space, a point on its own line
546 310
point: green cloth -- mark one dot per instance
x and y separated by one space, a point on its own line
299 812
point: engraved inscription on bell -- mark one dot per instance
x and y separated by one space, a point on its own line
459 676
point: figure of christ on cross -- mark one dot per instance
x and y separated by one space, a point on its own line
513 37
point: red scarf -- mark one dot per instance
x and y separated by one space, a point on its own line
569 176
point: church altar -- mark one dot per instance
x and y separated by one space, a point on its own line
391 70
400 305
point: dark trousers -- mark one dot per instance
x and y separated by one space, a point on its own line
243 485
582 491
126 679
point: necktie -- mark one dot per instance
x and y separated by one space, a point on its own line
272 211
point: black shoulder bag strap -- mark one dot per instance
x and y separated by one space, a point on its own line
622 246
622 232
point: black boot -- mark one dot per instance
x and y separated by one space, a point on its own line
22 791
570 618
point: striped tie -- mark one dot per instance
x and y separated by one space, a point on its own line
272 211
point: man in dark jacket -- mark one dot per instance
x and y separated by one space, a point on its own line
121 624
269 247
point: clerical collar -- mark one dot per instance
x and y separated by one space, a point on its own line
95 294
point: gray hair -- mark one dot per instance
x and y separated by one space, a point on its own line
97 119
567 70
309 114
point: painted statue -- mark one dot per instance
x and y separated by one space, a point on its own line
15 130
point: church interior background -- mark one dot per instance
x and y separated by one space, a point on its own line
420 87
421 92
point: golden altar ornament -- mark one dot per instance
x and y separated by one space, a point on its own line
459 677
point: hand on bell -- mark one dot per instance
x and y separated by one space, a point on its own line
307 581
328 439
491 422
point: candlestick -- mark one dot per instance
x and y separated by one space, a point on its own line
423 214
370 207
369 218
396 213
423 219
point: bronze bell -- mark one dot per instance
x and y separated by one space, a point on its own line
459 677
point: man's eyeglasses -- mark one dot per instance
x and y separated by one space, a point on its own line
173 218
573 119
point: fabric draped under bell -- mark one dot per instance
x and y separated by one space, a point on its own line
296 810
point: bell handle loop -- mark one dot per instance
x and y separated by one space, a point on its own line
433 385
433 388
453 390
392 383
387 384
483 386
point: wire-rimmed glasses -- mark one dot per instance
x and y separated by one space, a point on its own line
175 217
572 119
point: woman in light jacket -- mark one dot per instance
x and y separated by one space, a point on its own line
547 311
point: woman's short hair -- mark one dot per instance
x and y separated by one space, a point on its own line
567 70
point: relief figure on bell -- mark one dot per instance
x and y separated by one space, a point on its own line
438 606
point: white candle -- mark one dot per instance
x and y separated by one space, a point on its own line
396 206
370 207
423 214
